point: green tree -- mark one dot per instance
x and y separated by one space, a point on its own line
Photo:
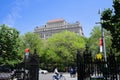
93 41
32 41
111 21
64 47
9 46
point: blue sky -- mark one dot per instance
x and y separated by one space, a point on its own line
25 15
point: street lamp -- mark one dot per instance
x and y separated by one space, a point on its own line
104 48
103 40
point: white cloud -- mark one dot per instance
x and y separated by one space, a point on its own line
14 13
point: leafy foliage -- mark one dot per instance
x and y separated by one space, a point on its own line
62 47
111 22
93 41
32 41
9 46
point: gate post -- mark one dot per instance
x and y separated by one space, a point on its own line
87 62
112 65
80 66
34 66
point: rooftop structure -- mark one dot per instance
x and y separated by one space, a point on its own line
56 26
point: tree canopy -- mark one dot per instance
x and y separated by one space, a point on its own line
94 43
9 46
110 20
32 41
62 47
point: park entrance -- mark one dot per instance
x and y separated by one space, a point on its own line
97 68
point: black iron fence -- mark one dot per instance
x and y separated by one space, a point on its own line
89 66
29 70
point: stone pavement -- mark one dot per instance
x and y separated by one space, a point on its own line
67 76
49 76
5 76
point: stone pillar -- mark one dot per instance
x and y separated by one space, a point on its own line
34 66
80 66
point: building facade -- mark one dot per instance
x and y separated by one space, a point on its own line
56 26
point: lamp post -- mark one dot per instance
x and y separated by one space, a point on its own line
104 48
103 40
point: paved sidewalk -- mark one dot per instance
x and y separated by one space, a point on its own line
67 76
50 75
5 76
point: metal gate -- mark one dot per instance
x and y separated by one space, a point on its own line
88 66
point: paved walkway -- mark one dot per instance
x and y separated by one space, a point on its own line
67 76
49 76
5 76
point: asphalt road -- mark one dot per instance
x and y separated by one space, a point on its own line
50 75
